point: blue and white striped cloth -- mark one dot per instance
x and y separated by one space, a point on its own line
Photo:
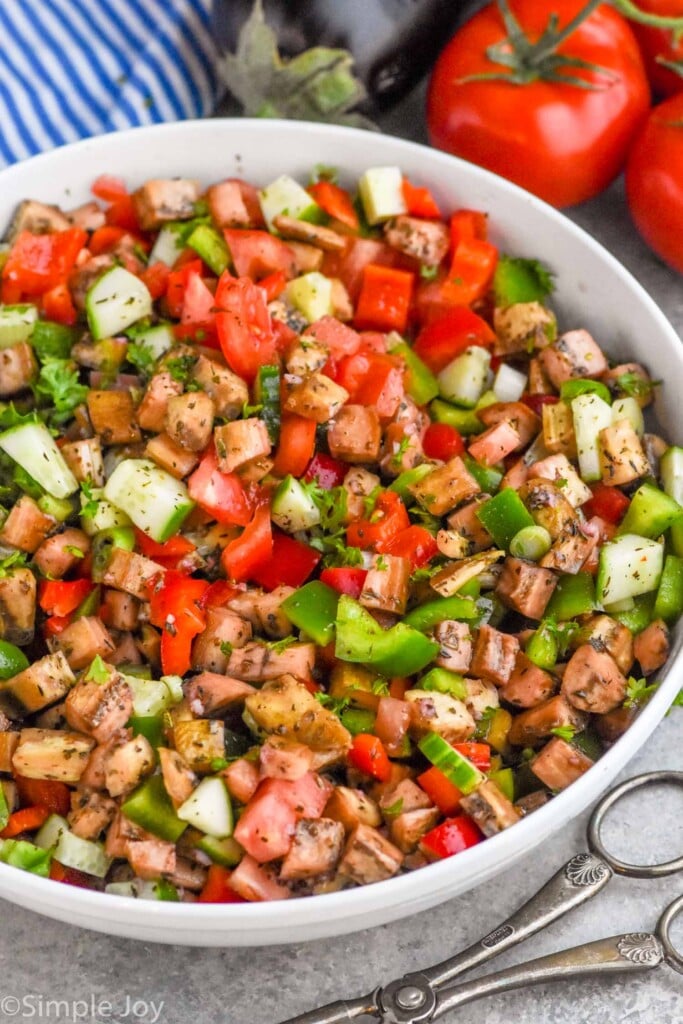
74 68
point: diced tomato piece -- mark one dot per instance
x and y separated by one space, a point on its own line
609 503
217 888
440 342
266 827
37 263
383 387
290 563
469 224
328 472
156 277
61 597
415 543
105 238
536 402
339 338
221 495
442 441
250 550
56 796
388 518
369 755
349 265
57 305
336 202
384 300
345 580
420 201
109 188
450 837
478 753
296 445
198 301
244 327
177 284
257 254
273 285
440 790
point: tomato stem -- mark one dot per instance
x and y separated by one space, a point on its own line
671 65
631 11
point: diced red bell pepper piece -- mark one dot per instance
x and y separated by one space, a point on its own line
290 563
536 402
56 796
388 518
26 820
384 300
609 503
273 285
217 888
345 580
415 543
369 755
441 341
61 597
220 495
440 790
55 625
169 554
450 837
156 276
37 263
420 201
244 326
177 284
296 445
336 202
105 238
176 608
218 594
383 387
442 441
250 550
57 305
328 472
473 260
121 211
478 753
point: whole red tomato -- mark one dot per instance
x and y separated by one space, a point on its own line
654 181
563 141
661 43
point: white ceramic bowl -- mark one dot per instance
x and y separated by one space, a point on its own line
593 290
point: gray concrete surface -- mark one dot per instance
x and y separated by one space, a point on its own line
43 963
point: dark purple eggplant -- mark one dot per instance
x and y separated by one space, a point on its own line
393 42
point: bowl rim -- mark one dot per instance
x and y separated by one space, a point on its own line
499 850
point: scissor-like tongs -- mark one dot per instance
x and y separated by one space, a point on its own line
426 995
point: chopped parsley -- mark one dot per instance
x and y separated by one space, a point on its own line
98 671
16 560
334 704
565 732
59 383
141 357
638 692
181 369
226 648
635 386
395 809
91 504
279 646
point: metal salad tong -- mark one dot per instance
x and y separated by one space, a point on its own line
426 995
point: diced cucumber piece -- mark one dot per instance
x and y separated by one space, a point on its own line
157 340
455 766
151 697
168 246
105 517
209 809
293 508
628 409
311 294
650 513
286 196
49 834
671 471
16 324
32 446
509 384
210 246
463 380
139 889
381 193
115 301
82 854
155 501
591 415
226 852
174 685
629 565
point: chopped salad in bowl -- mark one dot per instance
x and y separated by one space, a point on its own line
326 551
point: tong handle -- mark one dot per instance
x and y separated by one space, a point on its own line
619 954
339 1012
579 880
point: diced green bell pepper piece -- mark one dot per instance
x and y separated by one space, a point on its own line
211 247
399 651
487 477
60 509
52 341
22 854
358 720
588 742
455 766
504 516
90 604
583 386
573 595
505 780
103 545
669 600
226 852
150 807
443 681
470 589
405 481
421 384
640 616
650 513
4 808
313 608
543 648
267 393
520 280
149 726
428 615
12 660
676 535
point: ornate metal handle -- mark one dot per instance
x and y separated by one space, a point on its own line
338 1013
632 953
578 881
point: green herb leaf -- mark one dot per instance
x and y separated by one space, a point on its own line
98 671
59 383
334 704
279 646
394 810
11 417
91 504
635 386
565 732
226 648
638 692
17 560
141 357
